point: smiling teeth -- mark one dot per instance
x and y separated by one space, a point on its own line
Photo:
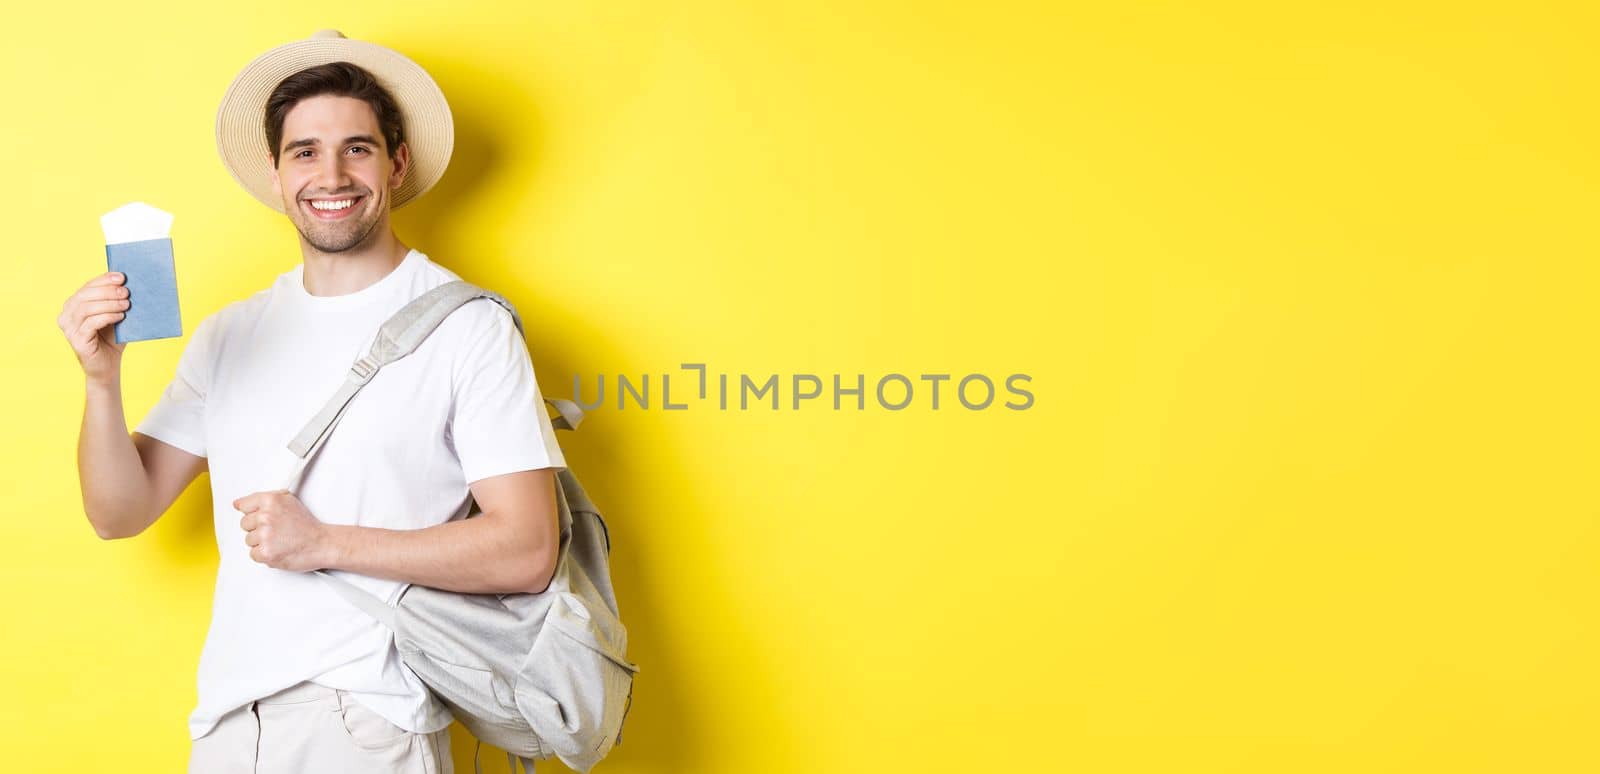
338 205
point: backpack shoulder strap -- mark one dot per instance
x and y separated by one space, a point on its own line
404 332
406 329
400 335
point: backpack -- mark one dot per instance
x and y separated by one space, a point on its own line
537 675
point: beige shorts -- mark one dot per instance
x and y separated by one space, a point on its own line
311 729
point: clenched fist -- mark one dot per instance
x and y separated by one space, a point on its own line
281 533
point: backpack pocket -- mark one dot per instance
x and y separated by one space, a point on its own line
476 689
575 687
483 703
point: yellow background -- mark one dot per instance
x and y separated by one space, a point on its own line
1306 292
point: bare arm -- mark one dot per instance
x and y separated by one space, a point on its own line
116 493
511 547
126 482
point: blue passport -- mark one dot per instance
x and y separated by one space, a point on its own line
152 287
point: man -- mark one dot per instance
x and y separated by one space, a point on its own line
334 133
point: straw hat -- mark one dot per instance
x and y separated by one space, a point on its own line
242 134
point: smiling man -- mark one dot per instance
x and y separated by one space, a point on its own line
334 134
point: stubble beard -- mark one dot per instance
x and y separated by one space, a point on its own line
335 236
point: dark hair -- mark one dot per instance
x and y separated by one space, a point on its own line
340 79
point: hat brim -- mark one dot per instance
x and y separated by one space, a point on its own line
242 135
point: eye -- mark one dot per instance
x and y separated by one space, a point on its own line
301 154
361 148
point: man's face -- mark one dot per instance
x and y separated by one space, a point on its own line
332 152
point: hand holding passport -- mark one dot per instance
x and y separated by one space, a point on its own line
139 246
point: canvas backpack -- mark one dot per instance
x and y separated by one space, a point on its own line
537 675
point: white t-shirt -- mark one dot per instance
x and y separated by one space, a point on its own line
463 406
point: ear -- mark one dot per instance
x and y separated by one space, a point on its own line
272 170
402 165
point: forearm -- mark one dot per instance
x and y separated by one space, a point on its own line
115 487
480 555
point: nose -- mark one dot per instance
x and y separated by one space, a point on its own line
331 174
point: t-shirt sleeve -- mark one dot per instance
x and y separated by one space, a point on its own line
178 418
498 420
